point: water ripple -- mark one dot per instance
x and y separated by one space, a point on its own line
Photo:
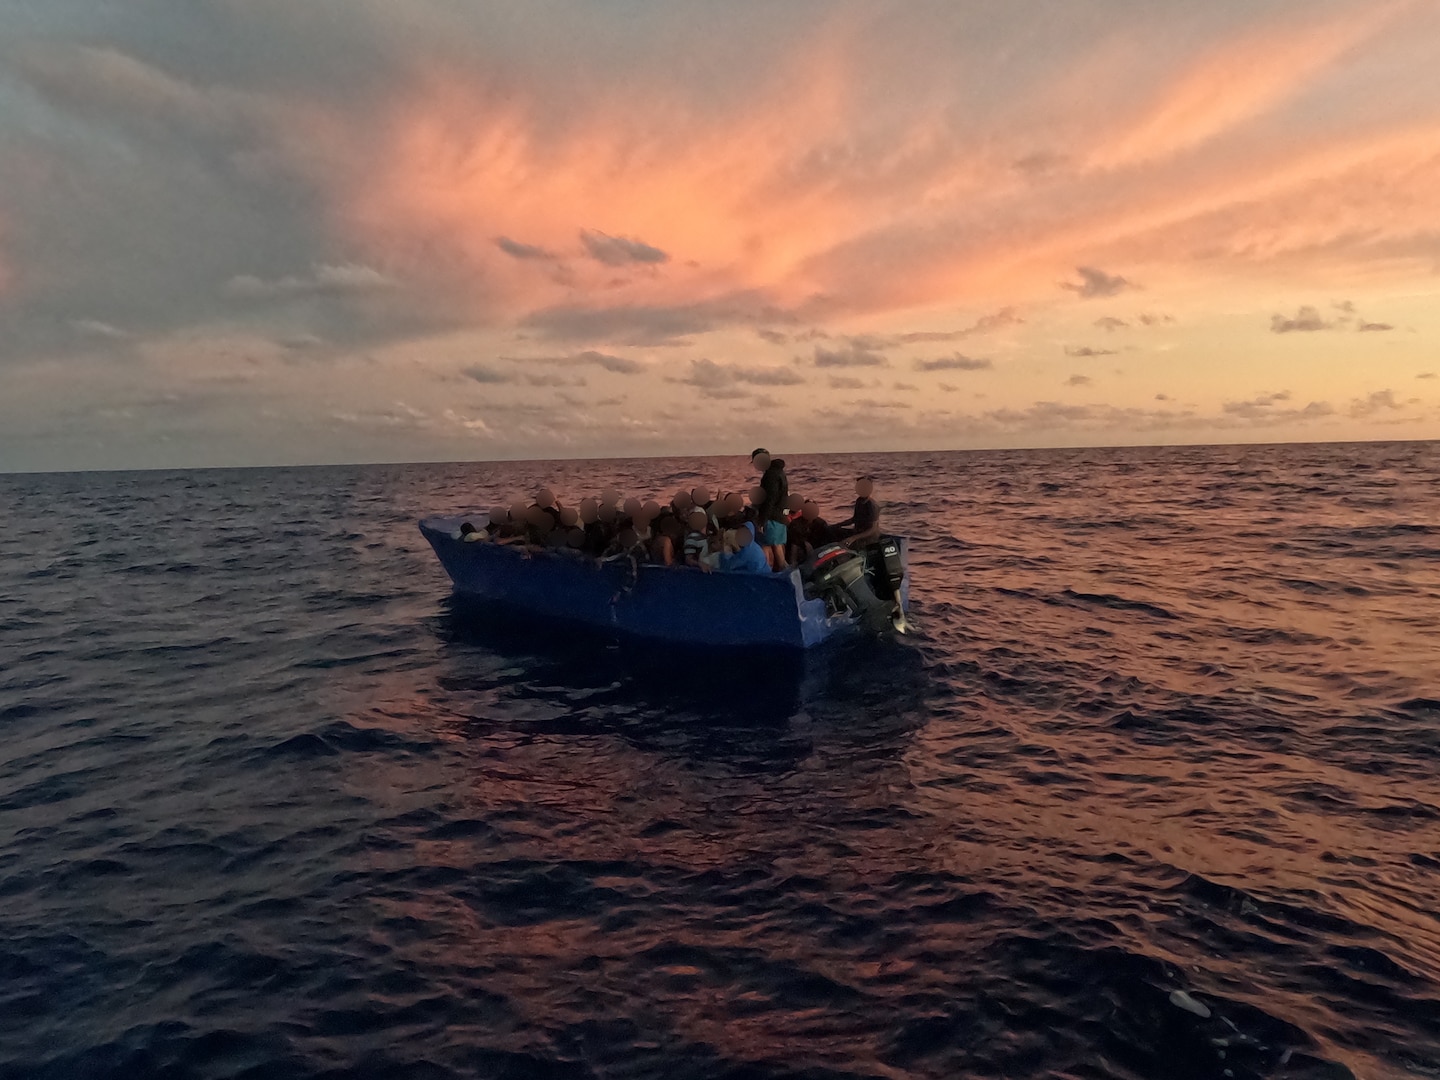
1150 792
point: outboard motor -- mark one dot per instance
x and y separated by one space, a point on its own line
885 567
868 585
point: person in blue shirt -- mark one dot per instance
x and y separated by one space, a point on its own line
742 554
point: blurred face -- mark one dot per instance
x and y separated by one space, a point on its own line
633 507
734 503
544 497
697 520
795 502
864 487
569 516
700 496
608 513
682 502
757 496
743 539
498 514
589 511
609 497
518 512
761 462
810 511
537 517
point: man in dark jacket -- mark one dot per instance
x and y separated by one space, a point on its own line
773 511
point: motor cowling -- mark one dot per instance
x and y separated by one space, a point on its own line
885 566
846 580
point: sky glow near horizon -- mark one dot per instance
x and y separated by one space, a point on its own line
353 230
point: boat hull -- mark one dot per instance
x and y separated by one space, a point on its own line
679 604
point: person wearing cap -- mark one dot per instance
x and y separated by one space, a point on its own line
772 510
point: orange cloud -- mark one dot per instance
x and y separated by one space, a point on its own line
454 166
476 186
795 197
1236 83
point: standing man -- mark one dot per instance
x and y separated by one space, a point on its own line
772 511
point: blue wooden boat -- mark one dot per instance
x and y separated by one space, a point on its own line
797 609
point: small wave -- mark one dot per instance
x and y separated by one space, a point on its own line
1119 603
342 738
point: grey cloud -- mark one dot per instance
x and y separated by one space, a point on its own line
774 337
1085 352
1046 415
1111 323
162 199
880 342
555 380
725 391
1162 397
1380 401
1039 164
846 382
1374 327
1079 380
517 250
986 324
1262 408
654 325
103 84
770 376
1307 320
487 375
301 343
1004 317
706 374
1426 375
322 280
98 329
848 356
1256 404
618 365
1148 319
904 386
1096 284
871 403
620 250
958 362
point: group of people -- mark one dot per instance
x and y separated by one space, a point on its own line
767 530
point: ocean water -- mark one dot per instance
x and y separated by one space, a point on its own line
1152 789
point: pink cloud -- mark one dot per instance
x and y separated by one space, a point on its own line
1237 82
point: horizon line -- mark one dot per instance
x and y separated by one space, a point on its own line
737 454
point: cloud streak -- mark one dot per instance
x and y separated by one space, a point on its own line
1096 284
322 280
957 362
621 250
1305 321
848 356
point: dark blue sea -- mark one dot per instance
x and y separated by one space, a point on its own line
1151 790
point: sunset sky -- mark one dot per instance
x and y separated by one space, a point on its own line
273 231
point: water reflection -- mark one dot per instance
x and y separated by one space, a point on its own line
738 704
